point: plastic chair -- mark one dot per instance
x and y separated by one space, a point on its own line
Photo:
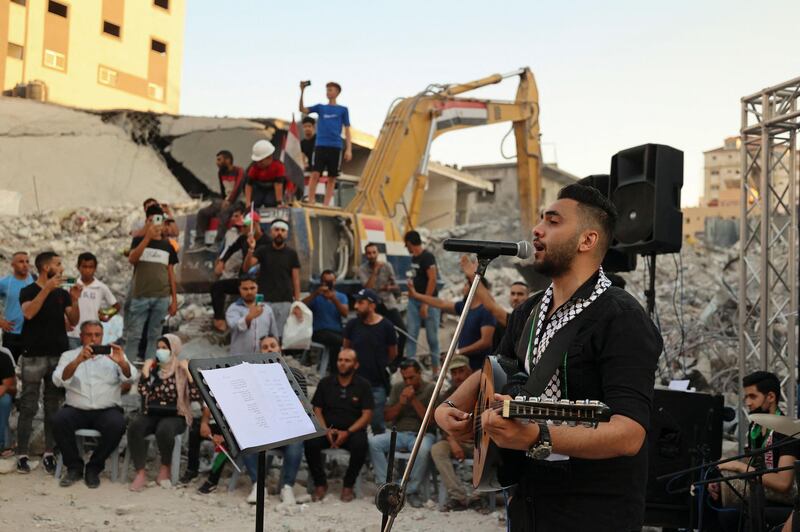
80 437
175 464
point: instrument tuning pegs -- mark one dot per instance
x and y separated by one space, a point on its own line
519 398
557 422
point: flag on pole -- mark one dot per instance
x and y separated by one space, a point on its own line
292 159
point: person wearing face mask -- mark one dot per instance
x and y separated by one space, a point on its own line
762 395
475 341
167 390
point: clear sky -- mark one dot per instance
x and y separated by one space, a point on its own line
611 75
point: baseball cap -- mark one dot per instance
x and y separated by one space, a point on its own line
458 361
369 295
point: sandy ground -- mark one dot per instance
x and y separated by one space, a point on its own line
35 501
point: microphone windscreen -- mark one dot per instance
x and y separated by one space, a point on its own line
525 249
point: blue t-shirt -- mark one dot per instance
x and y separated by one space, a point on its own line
326 315
9 291
478 317
330 120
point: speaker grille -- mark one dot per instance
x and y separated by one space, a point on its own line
636 204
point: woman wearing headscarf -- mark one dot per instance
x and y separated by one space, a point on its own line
167 390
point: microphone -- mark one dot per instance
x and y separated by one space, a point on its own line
489 250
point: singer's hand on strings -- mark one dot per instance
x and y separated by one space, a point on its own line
508 433
454 422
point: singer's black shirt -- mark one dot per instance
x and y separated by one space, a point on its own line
612 359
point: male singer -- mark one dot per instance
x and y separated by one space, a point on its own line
575 478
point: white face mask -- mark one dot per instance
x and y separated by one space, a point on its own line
163 355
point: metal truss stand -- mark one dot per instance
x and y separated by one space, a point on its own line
768 279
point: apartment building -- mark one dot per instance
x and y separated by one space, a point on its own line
94 54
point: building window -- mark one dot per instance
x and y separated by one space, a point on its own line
155 91
163 4
20 2
158 46
16 51
57 8
107 76
55 60
111 28
714 172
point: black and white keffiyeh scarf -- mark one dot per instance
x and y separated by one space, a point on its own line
539 339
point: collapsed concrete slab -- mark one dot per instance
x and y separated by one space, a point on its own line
58 158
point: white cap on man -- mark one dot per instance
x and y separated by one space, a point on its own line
262 149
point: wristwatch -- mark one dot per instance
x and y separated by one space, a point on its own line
543 447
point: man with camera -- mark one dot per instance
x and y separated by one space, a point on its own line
46 308
328 306
154 290
92 376
332 118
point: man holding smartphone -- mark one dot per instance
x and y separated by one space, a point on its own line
46 307
154 290
328 307
92 376
249 319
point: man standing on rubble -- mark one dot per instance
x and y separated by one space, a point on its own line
154 289
332 117
10 286
47 308
279 273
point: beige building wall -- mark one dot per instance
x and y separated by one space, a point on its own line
722 168
81 60
727 207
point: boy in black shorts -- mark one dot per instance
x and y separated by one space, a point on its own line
332 117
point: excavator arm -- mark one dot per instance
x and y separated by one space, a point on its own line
402 151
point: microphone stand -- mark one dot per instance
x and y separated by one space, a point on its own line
390 497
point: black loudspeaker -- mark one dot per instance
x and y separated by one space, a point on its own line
616 260
685 430
645 186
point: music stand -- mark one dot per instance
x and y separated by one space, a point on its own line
196 367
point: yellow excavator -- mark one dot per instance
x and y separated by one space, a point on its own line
403 149
333 237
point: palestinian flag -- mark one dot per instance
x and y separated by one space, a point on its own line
292 159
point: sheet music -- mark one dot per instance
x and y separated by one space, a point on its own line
259 403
